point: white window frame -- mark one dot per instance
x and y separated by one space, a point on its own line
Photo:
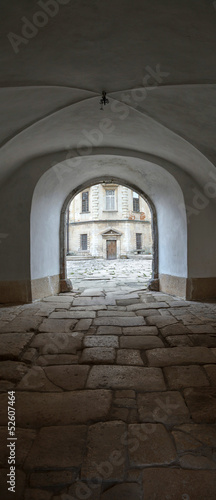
110 200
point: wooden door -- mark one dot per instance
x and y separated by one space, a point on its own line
111 249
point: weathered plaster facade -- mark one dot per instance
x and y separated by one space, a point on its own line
107 213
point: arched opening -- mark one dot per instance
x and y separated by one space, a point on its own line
118 244
53 193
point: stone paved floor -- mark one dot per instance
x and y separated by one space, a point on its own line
109 273
115 396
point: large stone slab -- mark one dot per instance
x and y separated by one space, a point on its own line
160 321
140 342
204 434
140 330
201 329
127 302
36 380
109 330
98 355
13 344
206 340
126 377
179 340
67 377
180 355
177 484
189 319
124 491
185 376
56 343
106 453
58 446
148 312
129 357
61 359
202 404
190 461
148 305
166 407
101 341
83 324
57 325
21 325
73 315
12 370
91 301
152 445
178 303
185 443
49 409
175 329
121 321
123 314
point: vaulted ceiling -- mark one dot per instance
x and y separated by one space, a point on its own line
157 57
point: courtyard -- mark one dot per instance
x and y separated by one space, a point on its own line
107 274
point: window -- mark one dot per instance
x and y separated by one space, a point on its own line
83 238
138 241
136 207
85 201
110 199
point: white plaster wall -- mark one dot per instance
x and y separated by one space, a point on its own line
45 232
158 184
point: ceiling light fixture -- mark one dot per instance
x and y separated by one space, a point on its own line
103 100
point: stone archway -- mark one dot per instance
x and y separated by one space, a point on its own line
109 234
53 193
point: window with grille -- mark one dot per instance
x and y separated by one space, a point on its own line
83 238
85 201
136 207
110 199
138 241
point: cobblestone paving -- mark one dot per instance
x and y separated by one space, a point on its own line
106 273
115 396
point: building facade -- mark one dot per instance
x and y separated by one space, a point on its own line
109 221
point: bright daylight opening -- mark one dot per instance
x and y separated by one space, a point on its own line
109 237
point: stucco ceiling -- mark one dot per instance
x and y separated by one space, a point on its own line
50 88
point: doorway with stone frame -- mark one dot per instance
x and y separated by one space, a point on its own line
111 247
